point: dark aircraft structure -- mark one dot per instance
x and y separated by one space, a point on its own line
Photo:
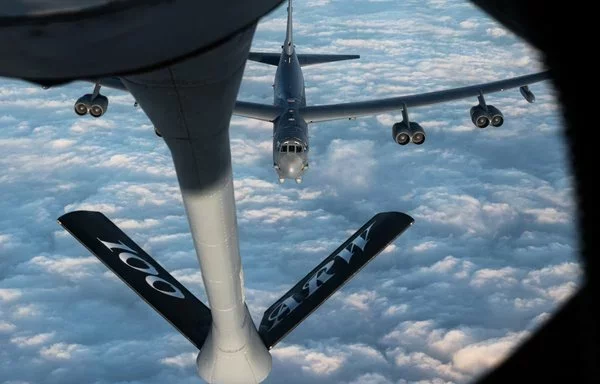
175 68
291 115
232 350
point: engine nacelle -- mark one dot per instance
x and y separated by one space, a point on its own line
404 134
479 116
401 133
496 117
83 104
527 94
417 133
99 106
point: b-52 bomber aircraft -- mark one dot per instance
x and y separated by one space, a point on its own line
290 115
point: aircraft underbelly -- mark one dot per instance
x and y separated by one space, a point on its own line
113 37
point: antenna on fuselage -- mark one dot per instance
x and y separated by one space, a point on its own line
288 45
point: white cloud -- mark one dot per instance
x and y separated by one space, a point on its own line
6 327
521 303
351 163
409 331
168 238
502 277
317 3
427 245
184 360
61 351
371 378
465 212
306 194
5 240
74 268
549 215
360 300
188 276
366 352
317 363
469 24
444 266
7 295
7 119
105 208
136 224
396 309
554 282
449 342
271 215
496 32
475 358
86 125
554 273
28 341
62 143
541 318
459 269
248 152
426 364
26 311
390 248
562 292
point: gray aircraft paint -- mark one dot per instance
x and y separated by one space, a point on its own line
107 45
290 115
176 98
289 129
200 147
199 143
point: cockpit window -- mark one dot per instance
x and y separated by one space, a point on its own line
292 148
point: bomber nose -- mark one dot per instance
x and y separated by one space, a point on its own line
290 166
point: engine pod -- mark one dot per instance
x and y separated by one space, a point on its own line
496 117
417 133
401 133
479 116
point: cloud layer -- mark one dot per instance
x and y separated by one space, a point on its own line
491 256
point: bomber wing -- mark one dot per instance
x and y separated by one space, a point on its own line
256 111
314 114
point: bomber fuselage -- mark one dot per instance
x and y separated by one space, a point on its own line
290 131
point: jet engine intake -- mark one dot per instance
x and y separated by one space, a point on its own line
496 117
479 116
418 133
83 104
403 134
99 106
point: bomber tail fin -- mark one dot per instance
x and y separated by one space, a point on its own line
330 275
141 273
288 45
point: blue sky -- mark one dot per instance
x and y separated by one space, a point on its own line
491 254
